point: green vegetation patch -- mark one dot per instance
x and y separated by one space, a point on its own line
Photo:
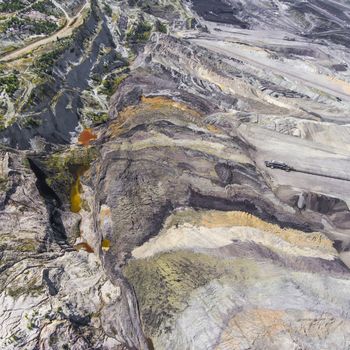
31 122
34 27
9 6
17 243
111 84
63 168
43 27
107 10
46 7
161 27
163 283
44 64
98 118
33 287
26 245
3 184
2 127
9 83
140 33
167 9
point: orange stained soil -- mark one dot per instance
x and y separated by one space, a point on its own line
84 246
160 101
160 105
86 137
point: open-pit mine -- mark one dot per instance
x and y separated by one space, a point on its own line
174 174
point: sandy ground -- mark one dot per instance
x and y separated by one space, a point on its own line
191 237
302 155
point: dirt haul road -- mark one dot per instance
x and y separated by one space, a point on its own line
66 31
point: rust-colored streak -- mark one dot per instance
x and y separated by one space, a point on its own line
86 137
84 246
152 108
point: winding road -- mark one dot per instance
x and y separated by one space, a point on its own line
66 31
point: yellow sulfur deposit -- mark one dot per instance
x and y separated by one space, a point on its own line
106 245
75 199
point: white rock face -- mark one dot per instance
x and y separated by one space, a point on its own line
53 297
